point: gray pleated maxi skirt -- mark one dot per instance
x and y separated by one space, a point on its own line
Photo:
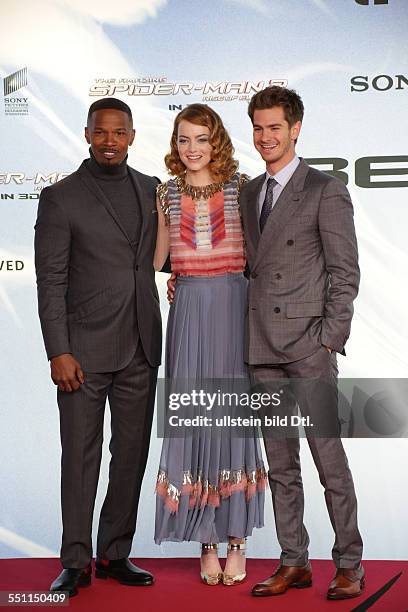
210 486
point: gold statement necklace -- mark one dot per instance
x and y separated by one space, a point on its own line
198 193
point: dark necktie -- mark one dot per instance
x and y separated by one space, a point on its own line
268 203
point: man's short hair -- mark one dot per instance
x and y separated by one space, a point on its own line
272 96
114 103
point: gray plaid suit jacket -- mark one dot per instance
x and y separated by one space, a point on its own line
96 291
303 269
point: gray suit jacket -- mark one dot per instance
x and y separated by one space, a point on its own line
96 291
303 269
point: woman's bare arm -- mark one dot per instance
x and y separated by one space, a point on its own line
163 240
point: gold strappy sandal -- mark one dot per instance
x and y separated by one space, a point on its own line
210 579
238 578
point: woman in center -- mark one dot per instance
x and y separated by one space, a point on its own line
211 484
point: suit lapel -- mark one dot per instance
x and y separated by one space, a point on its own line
286 207
145 211
92 185
251 216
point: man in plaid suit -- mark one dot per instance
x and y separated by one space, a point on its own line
303 277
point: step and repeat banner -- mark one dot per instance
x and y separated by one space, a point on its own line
348 59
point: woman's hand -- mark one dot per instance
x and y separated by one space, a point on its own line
171 288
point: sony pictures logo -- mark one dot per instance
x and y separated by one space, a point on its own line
379 82
15 103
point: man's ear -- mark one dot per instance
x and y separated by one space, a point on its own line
87 137
295 130
132 137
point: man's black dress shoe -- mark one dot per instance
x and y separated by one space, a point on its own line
124 571
70 579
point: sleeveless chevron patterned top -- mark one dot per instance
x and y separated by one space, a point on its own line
206 236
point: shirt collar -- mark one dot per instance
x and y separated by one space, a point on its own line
284 175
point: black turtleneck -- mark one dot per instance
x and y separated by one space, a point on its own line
116 184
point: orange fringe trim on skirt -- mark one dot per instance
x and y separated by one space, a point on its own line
201 494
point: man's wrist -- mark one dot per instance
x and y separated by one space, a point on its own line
59 355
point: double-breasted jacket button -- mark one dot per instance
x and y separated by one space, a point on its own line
290 242
276 309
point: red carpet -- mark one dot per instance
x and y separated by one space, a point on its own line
179 589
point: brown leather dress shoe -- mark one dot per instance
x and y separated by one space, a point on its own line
284 577
347 583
